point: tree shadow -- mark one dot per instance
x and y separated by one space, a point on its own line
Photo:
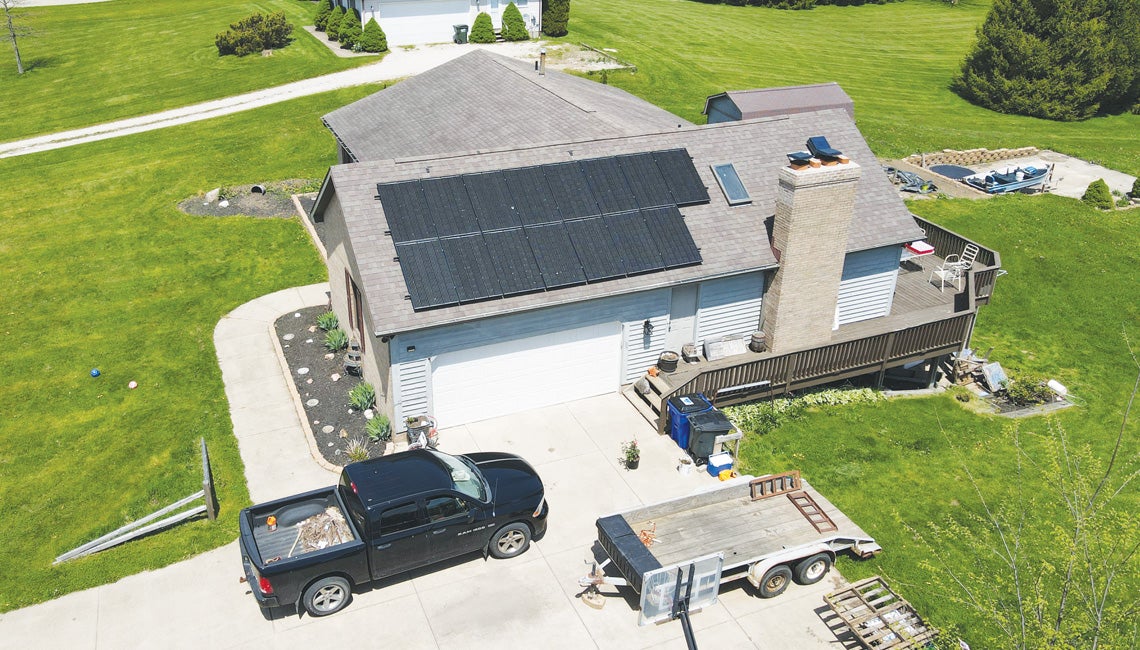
40 62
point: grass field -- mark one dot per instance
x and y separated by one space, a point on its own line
103 271
895 60
94 63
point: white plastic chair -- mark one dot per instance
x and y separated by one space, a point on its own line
955 267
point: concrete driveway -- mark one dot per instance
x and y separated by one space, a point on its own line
467 603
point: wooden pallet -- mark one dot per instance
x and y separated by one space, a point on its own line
878 617
812 512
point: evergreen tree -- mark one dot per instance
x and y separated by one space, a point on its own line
514 26
332 26
372 39
555 17
324 10
1124 88
1098 195
349 30
482 31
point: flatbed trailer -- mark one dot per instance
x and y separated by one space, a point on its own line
768 530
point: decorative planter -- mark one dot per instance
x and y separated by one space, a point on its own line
667 362
632 464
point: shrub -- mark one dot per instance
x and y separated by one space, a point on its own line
357 450
328 321
514 26
349 30
1025 389
336 340
555 17
332 26
379 428
763 417
1135 193
362 396
253 34
1098 195
324 10
482 31
372 38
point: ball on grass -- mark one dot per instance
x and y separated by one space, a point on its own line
94 372
133 385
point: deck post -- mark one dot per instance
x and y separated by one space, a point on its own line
889 347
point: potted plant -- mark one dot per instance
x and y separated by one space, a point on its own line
630 454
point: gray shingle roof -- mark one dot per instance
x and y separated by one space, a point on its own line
765 102
732 239
483 101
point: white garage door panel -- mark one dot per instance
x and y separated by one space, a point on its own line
502 378
423 21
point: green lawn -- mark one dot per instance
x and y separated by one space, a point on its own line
895 60
103 271
94 63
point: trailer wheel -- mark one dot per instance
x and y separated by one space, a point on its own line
327 596
775 581
812 570
511 540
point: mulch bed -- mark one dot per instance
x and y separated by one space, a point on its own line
273 202
323 385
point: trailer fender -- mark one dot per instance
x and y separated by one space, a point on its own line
758 569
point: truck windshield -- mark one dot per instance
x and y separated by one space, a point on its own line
464 476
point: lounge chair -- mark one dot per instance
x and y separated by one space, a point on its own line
799 157
820 148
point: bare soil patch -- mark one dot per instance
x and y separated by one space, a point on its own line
271 200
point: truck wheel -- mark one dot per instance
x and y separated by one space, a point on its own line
511 540
327 596
812 570
775 581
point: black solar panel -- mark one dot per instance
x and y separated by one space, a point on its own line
555 256
449 207
608 185
674 243
471 267
599 253
645 180
426 272
684 182
491 198
406 210
534 203
515 266
638 250
570 190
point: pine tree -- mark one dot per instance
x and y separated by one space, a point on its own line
514 26
332 27
555 17
1098 195
372 39
349 30
1124 88
324 10
482 31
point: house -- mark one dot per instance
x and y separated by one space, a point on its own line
542 238
412 22
769 102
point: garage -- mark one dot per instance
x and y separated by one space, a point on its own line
422 21
501 378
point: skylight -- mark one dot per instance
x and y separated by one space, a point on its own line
730 184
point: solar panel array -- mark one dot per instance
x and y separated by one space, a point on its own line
472 237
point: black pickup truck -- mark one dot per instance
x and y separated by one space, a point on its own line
386 516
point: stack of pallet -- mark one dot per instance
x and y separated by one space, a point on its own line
878 617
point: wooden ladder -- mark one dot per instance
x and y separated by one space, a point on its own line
812 512
770 486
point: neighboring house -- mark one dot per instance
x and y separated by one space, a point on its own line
736 105
540 239
412 22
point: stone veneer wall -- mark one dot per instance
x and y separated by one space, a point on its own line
969 156
813 211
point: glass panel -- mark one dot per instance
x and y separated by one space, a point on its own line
399 518
445 507
730 184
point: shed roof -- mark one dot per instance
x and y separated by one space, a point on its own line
732 239
764 102
483 101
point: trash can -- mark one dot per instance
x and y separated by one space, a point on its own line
681 408
460 35
705 427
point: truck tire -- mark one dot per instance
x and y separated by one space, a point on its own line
510 540
812 570
775 581
327 596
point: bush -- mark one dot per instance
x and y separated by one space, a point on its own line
555 17
1098 195
372 39
332 26
357 450
1027 389
336 340
253 34
328 321
514 26
763 417
362 396
379 428
482 31
349 31
1135 193
324 10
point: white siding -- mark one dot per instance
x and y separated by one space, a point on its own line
868 285
641 351
729 306
411 389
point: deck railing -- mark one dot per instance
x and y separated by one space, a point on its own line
947 242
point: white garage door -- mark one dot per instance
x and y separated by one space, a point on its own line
502 378
422 21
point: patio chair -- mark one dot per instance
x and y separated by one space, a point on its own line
821 148
955 267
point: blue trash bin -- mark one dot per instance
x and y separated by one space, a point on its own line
680 409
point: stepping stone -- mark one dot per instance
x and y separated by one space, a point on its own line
312 402
288 337
328 428
302 371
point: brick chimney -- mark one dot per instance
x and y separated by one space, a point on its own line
813 211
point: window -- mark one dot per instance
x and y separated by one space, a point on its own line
445 507
465 478
398 519
730 184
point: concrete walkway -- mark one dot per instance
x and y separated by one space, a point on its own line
465 603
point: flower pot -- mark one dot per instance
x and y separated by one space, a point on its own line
632 464
667 362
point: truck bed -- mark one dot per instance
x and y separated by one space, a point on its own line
284 542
